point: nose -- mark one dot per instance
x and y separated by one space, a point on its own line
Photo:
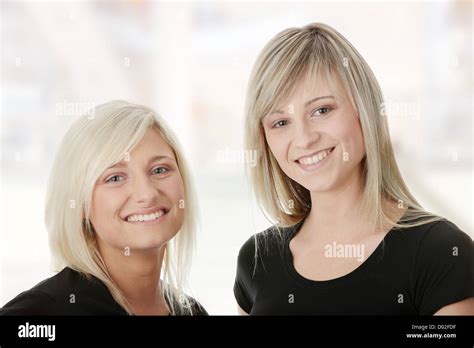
144 190
305 134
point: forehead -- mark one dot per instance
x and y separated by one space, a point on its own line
151 146
152 141
308 87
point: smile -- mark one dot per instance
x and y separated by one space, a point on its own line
152 217
314 161
319 156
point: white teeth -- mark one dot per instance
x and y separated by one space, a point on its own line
316 158
146 217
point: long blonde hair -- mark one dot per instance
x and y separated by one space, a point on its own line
317 50
91 145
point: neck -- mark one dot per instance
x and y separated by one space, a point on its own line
333 212
137 274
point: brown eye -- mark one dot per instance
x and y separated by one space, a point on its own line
279 124
160 170
321 111
115 178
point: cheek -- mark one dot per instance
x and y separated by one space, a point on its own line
352 139
278 146
175 193
105 208
173 188
106 203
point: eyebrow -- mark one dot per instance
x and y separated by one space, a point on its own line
309 102
152 159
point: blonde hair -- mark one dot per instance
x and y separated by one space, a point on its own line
317 50
91 145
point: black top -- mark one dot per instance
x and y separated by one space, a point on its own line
70 293
414 271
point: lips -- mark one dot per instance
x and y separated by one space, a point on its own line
146 214
315 157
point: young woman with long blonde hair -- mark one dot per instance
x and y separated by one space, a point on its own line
348 236
121 217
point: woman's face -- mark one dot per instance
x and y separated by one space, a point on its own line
139 203
316 139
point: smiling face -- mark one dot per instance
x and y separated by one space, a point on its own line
138 203
315 136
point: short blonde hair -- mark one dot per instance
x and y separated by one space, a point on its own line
91 145
313 51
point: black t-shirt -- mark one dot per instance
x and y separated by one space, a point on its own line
70 293
414 271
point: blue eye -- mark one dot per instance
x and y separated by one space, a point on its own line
321 111
279 124
160 170
115 178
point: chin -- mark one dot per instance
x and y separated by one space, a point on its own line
149 245
148 240
316 183
321 187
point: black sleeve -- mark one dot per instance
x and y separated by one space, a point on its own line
29 302
444 269
243 280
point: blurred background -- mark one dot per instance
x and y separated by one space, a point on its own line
190 61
